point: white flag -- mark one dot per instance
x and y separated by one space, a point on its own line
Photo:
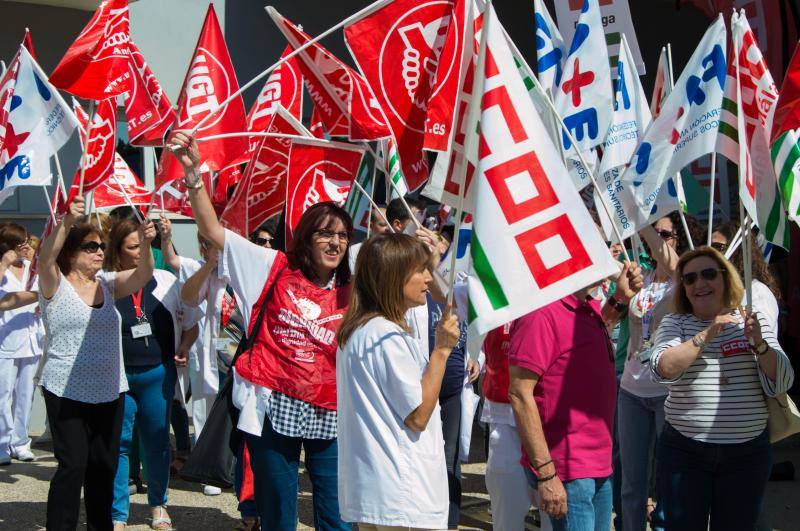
550 48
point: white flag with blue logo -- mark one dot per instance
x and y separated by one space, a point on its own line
685 130
39 123
550 48
584 98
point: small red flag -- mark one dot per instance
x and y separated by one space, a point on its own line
284 87
109 194
147 108
95 67
101 150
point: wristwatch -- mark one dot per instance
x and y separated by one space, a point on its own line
697 342
762 348
193 180
618 306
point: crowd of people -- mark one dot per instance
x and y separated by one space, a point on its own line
641 398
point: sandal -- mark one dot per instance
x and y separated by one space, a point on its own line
161 523
250 523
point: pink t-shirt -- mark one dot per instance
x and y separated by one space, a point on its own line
567 345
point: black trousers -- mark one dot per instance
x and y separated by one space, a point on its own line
86 447
451 428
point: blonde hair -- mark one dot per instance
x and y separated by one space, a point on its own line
383 266
734 290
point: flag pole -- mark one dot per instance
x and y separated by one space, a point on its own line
711 196
128 199
60 177
50 205
86 145
352 18
248 134
372 203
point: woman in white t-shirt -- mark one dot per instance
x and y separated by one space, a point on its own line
391 453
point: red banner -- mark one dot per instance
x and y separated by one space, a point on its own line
228 177
109 194
95 67
316 126
346 105
261 193
210 81
98 160
318 171
147 108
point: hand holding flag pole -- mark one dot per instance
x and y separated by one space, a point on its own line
352 18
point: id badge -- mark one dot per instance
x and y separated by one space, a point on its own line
141 330
221 344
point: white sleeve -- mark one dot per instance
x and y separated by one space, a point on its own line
784 374
765 303
668 335
397 372
245 266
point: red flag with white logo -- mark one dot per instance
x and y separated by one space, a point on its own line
284 87
261 193
110 193
316 126
147 108
210 81
98 160
411 53
318 171
228 177
346 105
95 67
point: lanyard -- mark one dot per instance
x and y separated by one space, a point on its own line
137 303
228 304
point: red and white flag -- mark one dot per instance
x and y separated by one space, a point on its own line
316 126
147 108
95 67
98 160
228 177
319 171
411 55
346 105
284 87
261 193
110 193
210 81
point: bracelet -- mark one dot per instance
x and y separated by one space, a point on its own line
618 306
762 348
193 180
697 342
197 185
548 478
536 468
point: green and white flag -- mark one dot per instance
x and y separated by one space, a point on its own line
533 240
785 154
357 204
389 162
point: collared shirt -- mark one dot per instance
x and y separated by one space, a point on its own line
567 345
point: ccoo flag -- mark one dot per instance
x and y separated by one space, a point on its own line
533 240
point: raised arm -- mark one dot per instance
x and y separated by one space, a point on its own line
629 282
131 281
17 299
6 260
49 275
664 255
184 147
167 249
192 289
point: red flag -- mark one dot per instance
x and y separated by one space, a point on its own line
318 171
419 94
284 87
58 205
316 126
147 108
101 150
228 177
95 67
109 193
787 112
209 81
27 42
7 83
261 193
346 105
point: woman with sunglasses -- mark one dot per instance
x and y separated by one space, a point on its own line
285 384
714 455
640 402
157 332
83 377
20 344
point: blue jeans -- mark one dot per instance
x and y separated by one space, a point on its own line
588 504
275 460
640 422
147 403
723 482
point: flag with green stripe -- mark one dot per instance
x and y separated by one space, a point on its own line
786 161
357 204
389 162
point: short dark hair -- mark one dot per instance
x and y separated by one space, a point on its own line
270 227
12 235
124 212
81 230
317 217
395 210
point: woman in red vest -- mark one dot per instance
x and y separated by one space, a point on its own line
285 385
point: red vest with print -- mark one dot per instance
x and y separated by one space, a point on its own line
294 352
495 347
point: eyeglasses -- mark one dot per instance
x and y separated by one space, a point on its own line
666 234
719 246
261 242
709 274
92 247
325 236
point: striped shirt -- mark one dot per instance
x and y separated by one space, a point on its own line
720 396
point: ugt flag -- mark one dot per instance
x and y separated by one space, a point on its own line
284 87
584 98
111 193
98 161
685 130
35 122
95 67
147 108
533 240
550 49
749 104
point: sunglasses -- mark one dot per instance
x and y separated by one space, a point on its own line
92 247
666 234
709 274
261 242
